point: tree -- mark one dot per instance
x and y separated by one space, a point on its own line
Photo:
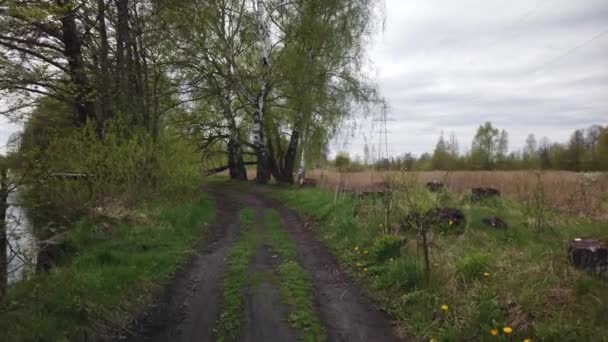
485 147
441 155
453 146
544 154
601 150
342 161
503 147
576 151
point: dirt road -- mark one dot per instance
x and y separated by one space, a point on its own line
189 308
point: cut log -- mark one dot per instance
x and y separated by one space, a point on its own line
484 193
434 186
308 183
495 222
51 252
451 217
589 254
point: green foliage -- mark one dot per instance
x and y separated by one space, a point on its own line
398 274
473 265
586 150
342 161
120 168
111 277
386 247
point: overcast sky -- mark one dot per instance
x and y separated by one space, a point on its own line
527 66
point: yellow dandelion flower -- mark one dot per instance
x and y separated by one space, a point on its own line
528 340
365 269
432 340
364 252
356 248
507 330
486 274
494 332
444 307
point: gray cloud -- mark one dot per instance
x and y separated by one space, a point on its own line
449 66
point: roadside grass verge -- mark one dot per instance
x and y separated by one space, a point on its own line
228 325
294 282
113 273
486 278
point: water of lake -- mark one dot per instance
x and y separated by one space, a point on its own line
22 243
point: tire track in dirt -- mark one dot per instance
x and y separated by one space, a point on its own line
344 310
265 316
188 309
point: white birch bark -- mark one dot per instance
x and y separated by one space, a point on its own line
258 119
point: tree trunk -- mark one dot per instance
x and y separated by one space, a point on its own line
124 67
3 235
72 41
262 171
274 170
262 174
292 149
105 103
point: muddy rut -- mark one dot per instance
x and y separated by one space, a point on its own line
189 307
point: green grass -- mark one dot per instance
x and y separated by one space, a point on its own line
228 325
294 283
111 276
489 278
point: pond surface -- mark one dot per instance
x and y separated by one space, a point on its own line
22 246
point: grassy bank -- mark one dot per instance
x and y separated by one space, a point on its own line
114 269
482 279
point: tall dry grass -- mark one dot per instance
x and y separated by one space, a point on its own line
571 192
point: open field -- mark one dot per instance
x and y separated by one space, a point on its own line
571 192
485 283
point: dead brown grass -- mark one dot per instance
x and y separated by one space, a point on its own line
571 192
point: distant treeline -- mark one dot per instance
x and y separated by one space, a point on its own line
586 150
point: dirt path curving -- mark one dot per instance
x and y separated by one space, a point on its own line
189 307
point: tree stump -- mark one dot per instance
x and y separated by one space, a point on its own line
434 186
495 222
445 217
590 255
484 193
51 252
308 183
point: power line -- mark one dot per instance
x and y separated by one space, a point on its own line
570 51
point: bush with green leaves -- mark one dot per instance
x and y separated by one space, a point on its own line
119 169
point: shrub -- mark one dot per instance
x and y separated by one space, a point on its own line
401 274
474 265
121 169
386 247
